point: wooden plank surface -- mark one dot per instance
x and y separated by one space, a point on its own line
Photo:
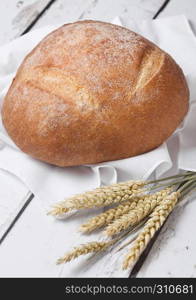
38 240
17 15
185 7
63 12
12 198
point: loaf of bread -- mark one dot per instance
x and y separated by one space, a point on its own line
93 92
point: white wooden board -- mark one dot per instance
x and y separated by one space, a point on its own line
65 11
185 7
70 11
17 15
12 198
36 240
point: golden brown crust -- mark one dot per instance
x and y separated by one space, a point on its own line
93 92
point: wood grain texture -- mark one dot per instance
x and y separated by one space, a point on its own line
12 198
17 15
37 241
177 7
63 12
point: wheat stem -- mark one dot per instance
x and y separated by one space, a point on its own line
184 180
133 230
171 177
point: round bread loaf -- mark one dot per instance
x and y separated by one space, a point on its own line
93 92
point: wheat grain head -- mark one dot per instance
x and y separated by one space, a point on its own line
157 218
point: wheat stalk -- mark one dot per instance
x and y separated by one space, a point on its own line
85 249
100 197
143 208
157 218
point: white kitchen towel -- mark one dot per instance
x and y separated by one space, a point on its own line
50 183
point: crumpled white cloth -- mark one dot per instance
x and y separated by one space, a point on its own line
51 183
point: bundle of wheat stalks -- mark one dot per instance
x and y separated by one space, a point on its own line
136 205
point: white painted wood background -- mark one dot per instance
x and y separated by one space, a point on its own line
34 242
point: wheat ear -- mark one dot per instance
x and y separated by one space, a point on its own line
157 218
58 210
100 197
143 208
84 249
110 215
